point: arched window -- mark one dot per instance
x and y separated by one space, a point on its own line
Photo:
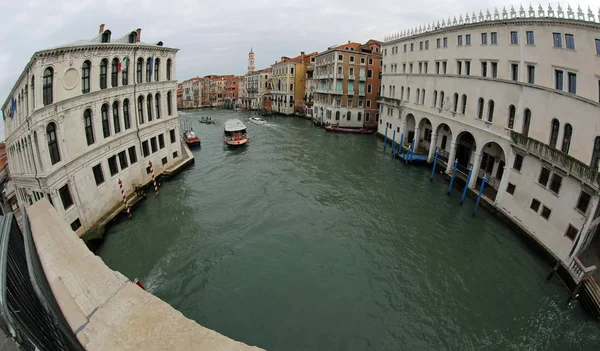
383 90
149 107
596 154
52 143
85 76
423 96
169 106
554 128
106 36
480 108
132 37
116 120
140 64
455 102
348 116
337 115
511 116
157 103
47 86
148 69
401 93
351 71
566 144
441 99
125 71
490 110
89 128
103 71
464 104
340 71
418 96
169 69
33 92
141 109
359 117
126 119
105 124
435 98
114 73
526 121
157 70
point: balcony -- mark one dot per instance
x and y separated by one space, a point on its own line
351 77
362 78
336 92
361 93
569 164
350 92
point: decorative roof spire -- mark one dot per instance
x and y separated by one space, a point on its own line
560 12
531 11
521 11
591 15
580 14
570 13
496 14
504 13
550 11
540 10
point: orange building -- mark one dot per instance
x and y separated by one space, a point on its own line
288 77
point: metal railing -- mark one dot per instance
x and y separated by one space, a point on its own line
27 304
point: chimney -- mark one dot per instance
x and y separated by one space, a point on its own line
302 53
139 34
348 41
101 29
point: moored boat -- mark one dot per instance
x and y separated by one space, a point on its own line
235 133
191 138
258 120
336 129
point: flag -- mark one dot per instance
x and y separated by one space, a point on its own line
13 108
151 65
124 64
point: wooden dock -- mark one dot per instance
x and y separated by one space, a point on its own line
586 288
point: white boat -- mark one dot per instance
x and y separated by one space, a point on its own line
235 133
258 120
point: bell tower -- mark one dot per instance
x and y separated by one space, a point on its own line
251 61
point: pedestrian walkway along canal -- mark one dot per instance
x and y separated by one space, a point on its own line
307 240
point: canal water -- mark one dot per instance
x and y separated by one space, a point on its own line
306 240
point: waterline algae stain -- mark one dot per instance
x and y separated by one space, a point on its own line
307 240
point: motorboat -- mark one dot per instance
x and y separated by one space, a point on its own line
258 120
206 120
191 138
235 133
336 129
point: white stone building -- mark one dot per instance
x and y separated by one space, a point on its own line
84 120
516 97
257 85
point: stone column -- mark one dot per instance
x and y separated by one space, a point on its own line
416 139
504 180
403 128
451 157
432 147
476 164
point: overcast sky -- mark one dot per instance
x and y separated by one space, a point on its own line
215 36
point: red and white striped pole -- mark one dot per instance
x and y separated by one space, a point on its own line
153 180
124 198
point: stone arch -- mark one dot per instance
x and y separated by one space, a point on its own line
425 132
409 133
466 147
493 161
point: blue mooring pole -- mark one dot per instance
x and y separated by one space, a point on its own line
408 154
453 174
480 192
412 150
401 141
385 137
462 199
434 164
394 142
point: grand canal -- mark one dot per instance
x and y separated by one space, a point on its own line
312 241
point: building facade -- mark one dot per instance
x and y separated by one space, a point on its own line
347 85
257 86
288 84
86 115
515 99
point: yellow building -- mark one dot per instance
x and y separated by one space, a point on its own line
289 83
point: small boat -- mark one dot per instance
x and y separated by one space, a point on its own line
258 120
235 133
206 120
190 138
336 129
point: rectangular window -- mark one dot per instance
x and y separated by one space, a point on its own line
98 174
175 154
145 149
468 39
483 38
511 188
172 135
412 47
161 141
420 67
370 74
459 67
572 83
164 161
123 160
438 43
444 66
65 196
546 212
404 47
468 68
558 79
571 232
556 183
583 201
535 205
410 68
544 176
514 38
515 71
531 74
446 42
112 165
557 40
132 155
459 40
495 69
570 41
426 44
404 68
494 36
340 58
530 38
437 70
153 145
368 103
420 45
484 69
76 224
597 46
